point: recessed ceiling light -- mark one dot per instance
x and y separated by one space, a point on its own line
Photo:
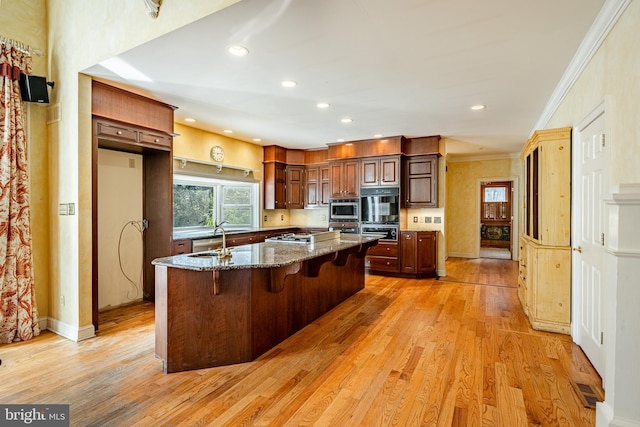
238 50
227 131
257 140
289 83
377 135
346 120
189 119
340 139
349 144
323 105
478 107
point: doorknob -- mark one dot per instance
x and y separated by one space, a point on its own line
578 249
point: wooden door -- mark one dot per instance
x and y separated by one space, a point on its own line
421 182
369 172
389 171
589 286
426 250
312 198
408 251
295 187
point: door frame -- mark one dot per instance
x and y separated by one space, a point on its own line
515 202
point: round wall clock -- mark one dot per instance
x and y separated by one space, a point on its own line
217 153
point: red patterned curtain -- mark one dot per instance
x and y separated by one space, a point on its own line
18 310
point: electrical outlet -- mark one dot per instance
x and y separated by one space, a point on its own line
265 218
415 219
281 217
427 219
421 219
62 300
437 219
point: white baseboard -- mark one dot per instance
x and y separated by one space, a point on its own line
441 273
71 332
606 418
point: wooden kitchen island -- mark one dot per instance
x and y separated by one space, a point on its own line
212 312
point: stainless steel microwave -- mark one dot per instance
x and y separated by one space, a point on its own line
344 209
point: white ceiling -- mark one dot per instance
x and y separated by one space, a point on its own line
401 67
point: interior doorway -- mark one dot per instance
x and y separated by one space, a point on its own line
496 219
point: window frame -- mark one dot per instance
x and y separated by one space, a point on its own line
218 186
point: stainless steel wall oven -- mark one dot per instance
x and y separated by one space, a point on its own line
380 205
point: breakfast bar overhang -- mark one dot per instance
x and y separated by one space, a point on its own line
212 311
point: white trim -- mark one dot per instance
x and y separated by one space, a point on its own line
604 22
71 332
43 322
452 158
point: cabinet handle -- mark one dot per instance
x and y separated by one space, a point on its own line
119 132
156 140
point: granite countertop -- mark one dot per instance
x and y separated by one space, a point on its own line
262 255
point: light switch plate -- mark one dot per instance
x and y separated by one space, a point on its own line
427 219
63 209
415 219
72 209
437 219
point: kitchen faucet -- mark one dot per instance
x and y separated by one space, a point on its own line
223 253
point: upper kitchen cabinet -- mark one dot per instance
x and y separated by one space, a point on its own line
343 178
547 164
420 182
380 171
275 184
295 187
317 185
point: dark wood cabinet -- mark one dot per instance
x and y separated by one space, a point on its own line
380 171
181 246
383 258
316 186
295 187
343 178
420 182
275 180
418 253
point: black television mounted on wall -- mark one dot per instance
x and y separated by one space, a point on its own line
34 89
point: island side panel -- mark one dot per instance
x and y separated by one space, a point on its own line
203 329
272 312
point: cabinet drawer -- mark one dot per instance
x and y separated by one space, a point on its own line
118 132
384 249
181 246
152 138
381 263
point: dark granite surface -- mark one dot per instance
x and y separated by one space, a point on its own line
262 255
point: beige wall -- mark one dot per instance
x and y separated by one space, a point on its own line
119 243
192 143
463 233
612 74
27 22
107 27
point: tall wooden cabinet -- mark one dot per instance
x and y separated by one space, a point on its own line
545 266
420 188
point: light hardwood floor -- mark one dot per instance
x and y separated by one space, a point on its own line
401 352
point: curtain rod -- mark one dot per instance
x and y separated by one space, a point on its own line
20 46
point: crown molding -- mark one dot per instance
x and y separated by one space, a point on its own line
604 22
452 158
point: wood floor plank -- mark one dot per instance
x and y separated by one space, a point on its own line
400 352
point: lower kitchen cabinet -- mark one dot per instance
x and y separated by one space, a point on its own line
418 253
382 258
